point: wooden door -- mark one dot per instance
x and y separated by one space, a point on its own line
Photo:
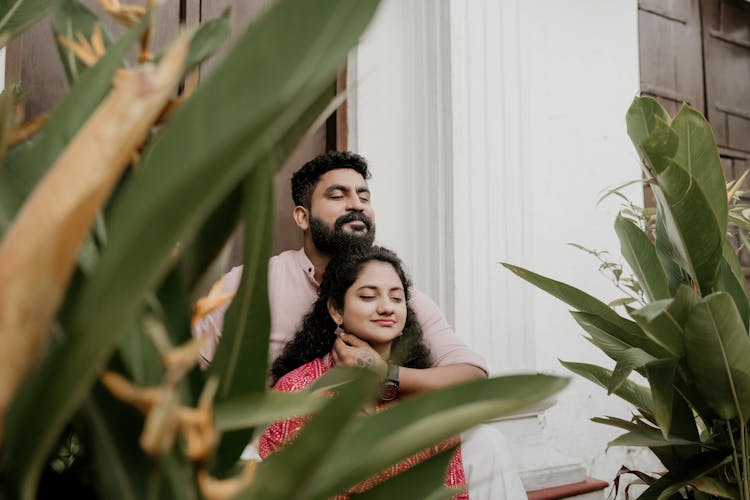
698 51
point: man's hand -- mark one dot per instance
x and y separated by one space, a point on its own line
350 350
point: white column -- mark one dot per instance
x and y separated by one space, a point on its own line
491 185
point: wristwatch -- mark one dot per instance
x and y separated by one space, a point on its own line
390 387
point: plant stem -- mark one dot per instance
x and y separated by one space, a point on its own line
745 461
737 469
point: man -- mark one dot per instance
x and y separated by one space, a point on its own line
333 210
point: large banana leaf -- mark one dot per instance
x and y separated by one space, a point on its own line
683 474
628 361
176 188
424 480
649 437
373 443
635 394
688 183
661 375
640 253
732 280
613 340
641 118
664 320
17 15
290 471
698 154
574 297
241 359
358 450
717 348
245 412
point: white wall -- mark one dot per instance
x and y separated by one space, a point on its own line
559 76
580 75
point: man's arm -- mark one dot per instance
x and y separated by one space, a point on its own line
413 380
350 350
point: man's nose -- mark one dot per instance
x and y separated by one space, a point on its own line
355 204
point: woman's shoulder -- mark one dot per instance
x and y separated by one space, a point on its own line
302 376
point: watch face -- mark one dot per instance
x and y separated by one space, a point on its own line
390 391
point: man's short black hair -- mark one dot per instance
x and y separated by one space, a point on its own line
306 178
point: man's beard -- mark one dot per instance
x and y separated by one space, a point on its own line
336 241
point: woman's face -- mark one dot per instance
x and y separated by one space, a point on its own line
375 305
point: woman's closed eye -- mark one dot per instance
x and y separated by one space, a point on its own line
367 297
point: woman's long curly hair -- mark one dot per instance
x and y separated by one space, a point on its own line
316 336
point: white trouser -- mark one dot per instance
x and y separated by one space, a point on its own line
490 470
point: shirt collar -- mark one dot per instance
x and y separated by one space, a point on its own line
304 263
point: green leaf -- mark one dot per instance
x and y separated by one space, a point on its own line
649 437
682 475
242 355
253 410
732 280
198 259
666 253
661 375
69 116
613 340
660 147
690 189
374 443
421 481
70 17
696 236
17 15
207 39
640 254
698 155
641 118
575 298
664 320
115 429
716 487
717 348
209 145
290 471
629 360
635 394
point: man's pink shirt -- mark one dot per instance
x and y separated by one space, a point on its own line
292 290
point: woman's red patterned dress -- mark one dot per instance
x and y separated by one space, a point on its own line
281 432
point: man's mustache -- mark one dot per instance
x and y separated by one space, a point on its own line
351 217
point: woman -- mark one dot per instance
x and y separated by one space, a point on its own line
365 294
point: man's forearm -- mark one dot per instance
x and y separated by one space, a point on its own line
412 380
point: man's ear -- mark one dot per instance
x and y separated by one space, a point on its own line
301 217
336 315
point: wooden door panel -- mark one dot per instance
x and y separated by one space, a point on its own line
727 63
670 52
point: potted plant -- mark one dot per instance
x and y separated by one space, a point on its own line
688 336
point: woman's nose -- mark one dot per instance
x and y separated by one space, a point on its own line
385 306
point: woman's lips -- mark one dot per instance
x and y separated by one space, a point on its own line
385 322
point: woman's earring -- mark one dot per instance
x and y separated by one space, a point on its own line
338 331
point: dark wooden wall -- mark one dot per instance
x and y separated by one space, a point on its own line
698 51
